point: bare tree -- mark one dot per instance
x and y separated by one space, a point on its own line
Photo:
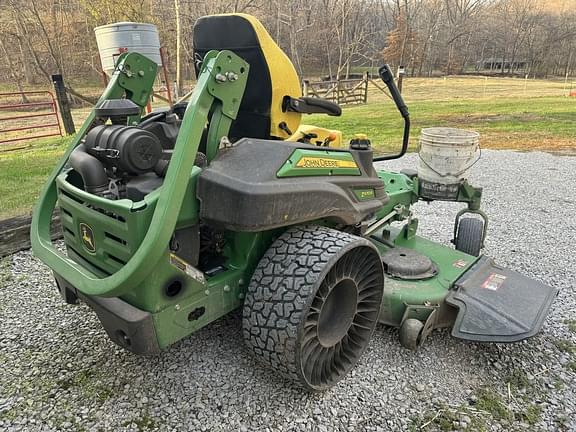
333 37
178 49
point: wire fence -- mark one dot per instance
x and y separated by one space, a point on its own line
479 87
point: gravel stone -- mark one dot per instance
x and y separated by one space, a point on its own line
61 373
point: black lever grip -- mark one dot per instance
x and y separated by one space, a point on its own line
388 78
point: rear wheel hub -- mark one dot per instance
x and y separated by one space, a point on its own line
337 313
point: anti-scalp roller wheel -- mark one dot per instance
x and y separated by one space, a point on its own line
313 304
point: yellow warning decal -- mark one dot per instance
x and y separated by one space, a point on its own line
324 162
183 266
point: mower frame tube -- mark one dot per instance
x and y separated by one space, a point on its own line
172 193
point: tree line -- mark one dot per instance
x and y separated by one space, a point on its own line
322 37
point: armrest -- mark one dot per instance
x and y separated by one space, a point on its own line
308 105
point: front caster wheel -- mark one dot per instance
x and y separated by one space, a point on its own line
411 333
469 236
313 303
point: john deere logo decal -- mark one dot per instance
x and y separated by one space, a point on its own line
87 238
324 162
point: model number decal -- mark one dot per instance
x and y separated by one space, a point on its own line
364 194
322 162
494 282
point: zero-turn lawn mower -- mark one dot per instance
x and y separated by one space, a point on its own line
175 218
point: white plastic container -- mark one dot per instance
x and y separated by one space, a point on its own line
446 156
114 39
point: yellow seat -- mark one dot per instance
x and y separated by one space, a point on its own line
271 82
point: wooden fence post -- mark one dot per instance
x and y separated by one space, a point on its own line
366 87
401 73
175 91
305 85
63 104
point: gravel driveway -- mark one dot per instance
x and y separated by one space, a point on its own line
60 372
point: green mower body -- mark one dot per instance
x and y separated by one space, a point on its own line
314 243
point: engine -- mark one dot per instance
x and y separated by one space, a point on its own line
118 161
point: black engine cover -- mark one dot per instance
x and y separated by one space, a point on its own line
239 191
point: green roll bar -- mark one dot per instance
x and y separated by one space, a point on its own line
219 91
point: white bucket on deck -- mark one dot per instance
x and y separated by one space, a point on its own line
446 156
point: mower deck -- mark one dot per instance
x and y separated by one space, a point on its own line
482 301
417 298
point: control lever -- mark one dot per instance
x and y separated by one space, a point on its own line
388 78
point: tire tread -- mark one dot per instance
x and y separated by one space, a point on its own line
469 237
281 288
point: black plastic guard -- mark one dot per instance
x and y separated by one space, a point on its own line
127 326
240 190
498 305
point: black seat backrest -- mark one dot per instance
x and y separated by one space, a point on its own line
271 77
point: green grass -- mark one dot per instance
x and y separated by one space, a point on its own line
532 414
518 380
509 114
571 323
490 407
507 123
449 419
491 402
23 172
87 381
565 345
144 423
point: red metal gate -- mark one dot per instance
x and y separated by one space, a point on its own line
41 105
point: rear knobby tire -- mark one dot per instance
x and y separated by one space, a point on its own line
313 303
469 236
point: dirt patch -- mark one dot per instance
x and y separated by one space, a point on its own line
528 142
466 119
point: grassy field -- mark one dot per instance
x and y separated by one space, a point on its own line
23 172
509 114
505 123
